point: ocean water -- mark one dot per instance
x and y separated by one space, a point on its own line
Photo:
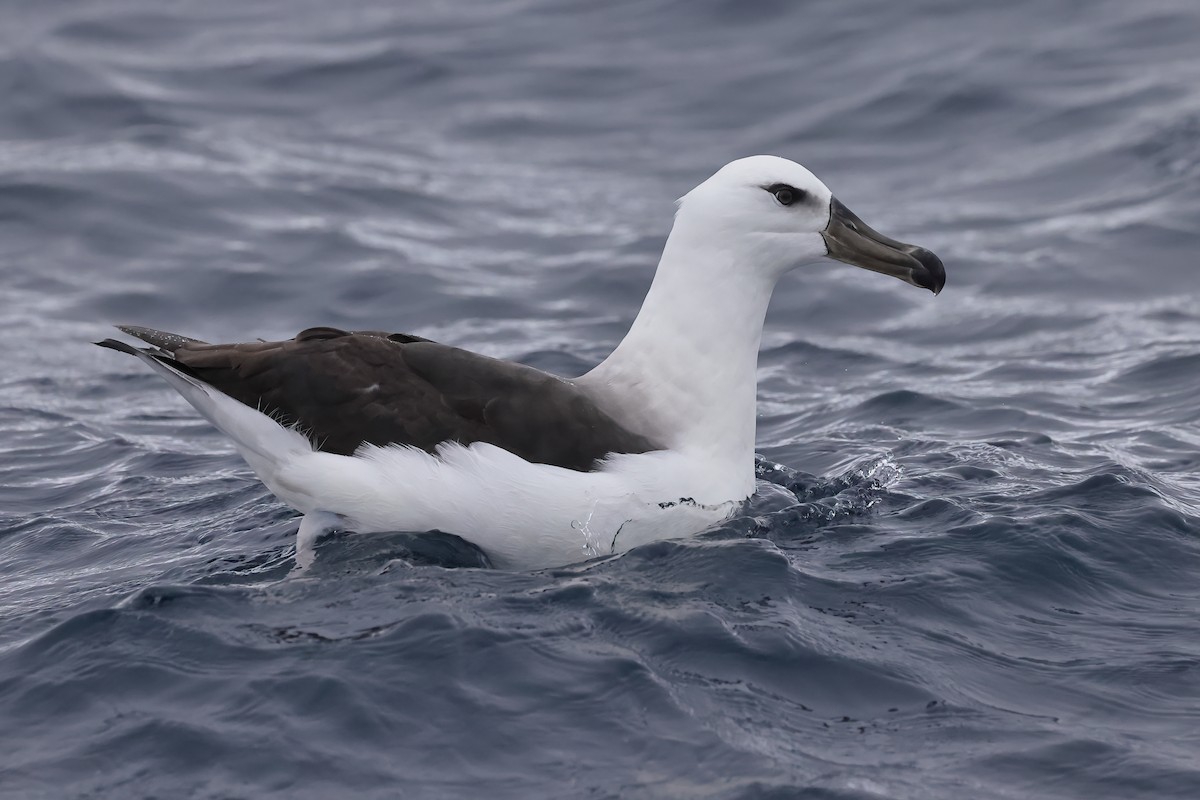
973 569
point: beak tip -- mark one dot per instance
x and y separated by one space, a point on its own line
933 277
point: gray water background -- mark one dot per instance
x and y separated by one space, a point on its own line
979 576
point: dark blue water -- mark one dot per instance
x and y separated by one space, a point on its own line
976 573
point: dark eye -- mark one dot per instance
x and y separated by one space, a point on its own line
786 195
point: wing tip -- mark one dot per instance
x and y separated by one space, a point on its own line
120 347
164 340
155 353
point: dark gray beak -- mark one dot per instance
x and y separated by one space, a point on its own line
849 239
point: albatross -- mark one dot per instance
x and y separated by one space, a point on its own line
370 431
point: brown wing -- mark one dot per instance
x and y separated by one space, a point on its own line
345 389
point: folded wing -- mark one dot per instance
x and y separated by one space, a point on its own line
345 389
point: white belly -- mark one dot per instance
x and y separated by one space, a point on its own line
523 515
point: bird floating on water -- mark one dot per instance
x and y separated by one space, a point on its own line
370 431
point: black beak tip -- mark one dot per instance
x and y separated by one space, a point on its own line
933 276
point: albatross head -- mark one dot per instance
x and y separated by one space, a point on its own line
778 213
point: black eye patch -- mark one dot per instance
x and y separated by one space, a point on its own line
785 194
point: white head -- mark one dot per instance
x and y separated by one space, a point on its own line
776 215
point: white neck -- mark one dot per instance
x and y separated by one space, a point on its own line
686 373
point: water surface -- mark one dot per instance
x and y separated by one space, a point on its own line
974 567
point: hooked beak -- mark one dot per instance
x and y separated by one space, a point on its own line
849 239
